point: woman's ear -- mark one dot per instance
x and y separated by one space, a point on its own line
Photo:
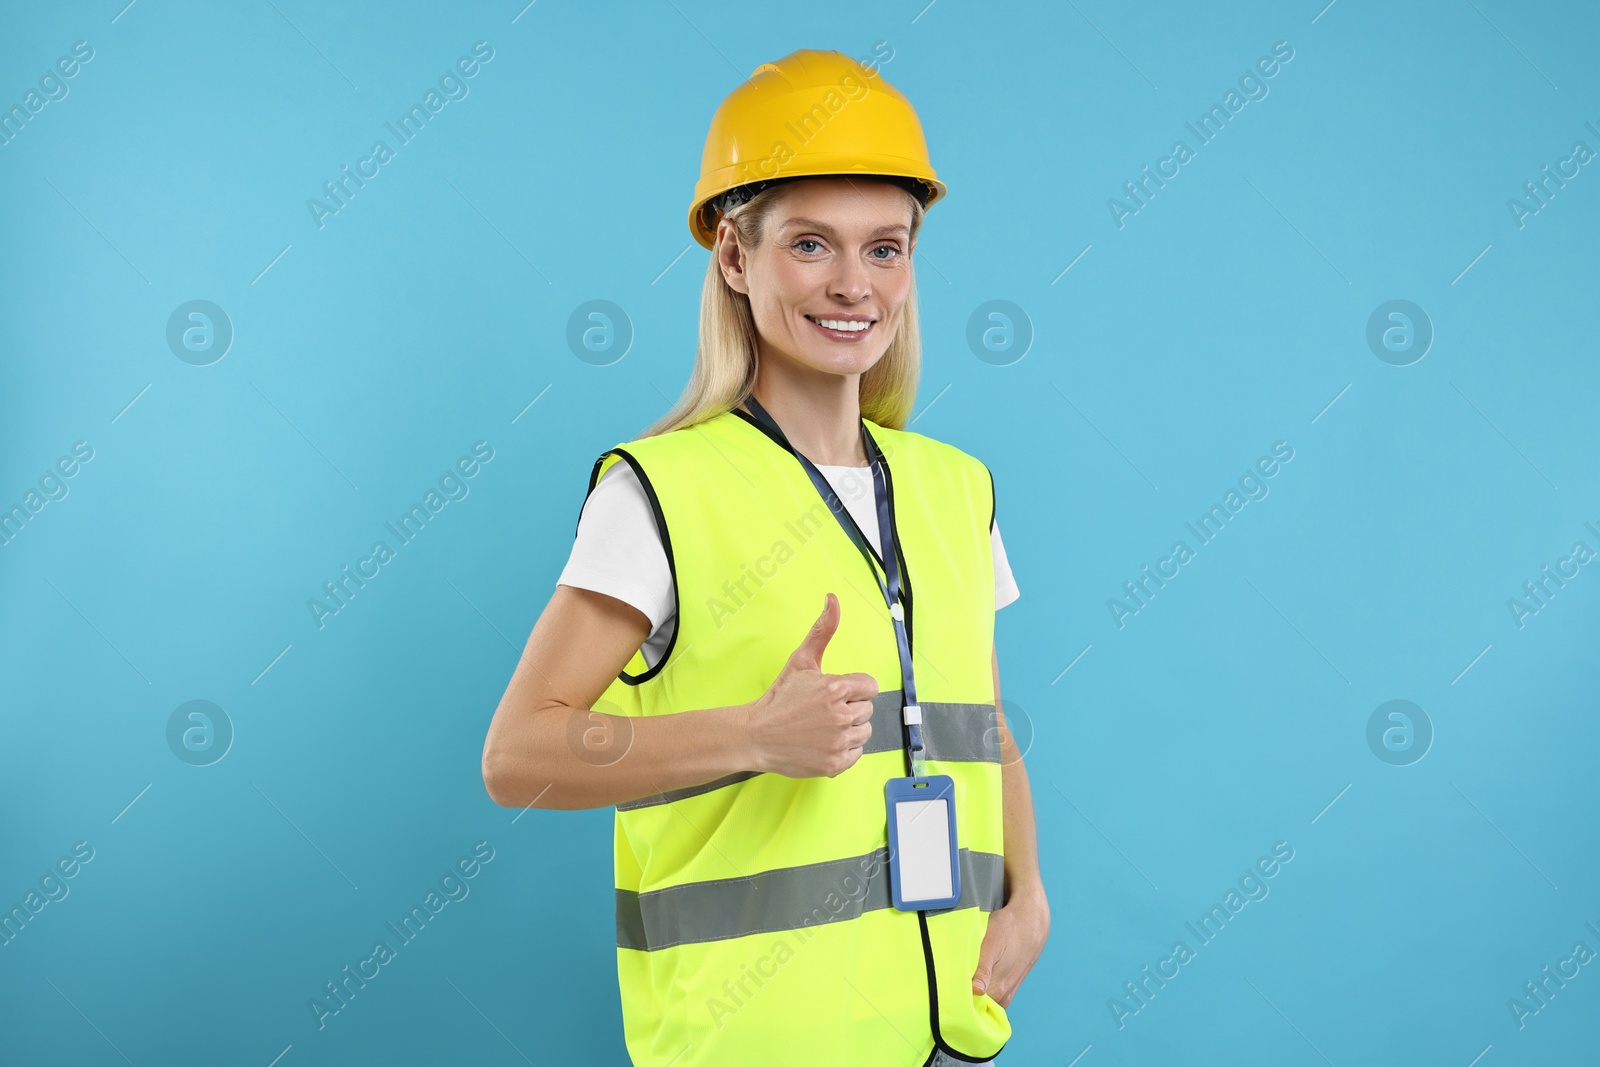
731 258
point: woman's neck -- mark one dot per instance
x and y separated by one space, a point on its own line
819 413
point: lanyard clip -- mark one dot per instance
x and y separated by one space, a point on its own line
912 717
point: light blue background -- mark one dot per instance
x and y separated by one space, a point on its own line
1228 314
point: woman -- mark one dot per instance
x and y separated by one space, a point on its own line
762 915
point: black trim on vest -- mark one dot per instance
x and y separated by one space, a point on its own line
666 543
930 966
933 1005
594 480
992 501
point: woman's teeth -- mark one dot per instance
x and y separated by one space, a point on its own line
846 325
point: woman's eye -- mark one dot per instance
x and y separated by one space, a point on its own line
886 248
806 241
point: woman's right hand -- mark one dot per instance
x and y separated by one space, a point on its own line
809 724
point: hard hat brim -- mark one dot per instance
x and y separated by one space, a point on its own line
841 165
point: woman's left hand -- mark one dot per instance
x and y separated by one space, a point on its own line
1011 945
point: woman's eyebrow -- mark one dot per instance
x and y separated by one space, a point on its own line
823 227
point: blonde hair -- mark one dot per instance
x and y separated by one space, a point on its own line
725 363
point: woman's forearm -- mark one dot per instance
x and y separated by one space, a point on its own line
571 758
547 748
1023 878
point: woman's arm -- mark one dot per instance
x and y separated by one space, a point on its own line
1017 930
547 749
1022 848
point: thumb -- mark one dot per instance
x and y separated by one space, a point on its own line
980 977
987 953
808 656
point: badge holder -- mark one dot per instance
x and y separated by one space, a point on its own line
923 869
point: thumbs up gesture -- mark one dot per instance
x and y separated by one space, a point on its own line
809 724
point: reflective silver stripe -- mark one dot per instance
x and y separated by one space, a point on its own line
785 899
688 791
966 733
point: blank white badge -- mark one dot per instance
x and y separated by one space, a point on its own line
924 838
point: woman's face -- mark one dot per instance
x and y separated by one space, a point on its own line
835 251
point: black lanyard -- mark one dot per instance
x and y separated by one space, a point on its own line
911 713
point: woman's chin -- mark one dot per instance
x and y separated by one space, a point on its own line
831 360
852 366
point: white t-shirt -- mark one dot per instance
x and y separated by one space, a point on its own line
618 549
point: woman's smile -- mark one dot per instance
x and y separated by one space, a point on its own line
849 329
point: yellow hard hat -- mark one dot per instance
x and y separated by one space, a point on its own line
810 114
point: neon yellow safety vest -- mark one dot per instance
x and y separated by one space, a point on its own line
754 919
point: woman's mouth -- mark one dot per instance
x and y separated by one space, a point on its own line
847 330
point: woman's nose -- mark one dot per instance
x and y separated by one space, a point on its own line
851 283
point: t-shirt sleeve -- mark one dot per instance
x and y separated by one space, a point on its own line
1005 586
617 550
